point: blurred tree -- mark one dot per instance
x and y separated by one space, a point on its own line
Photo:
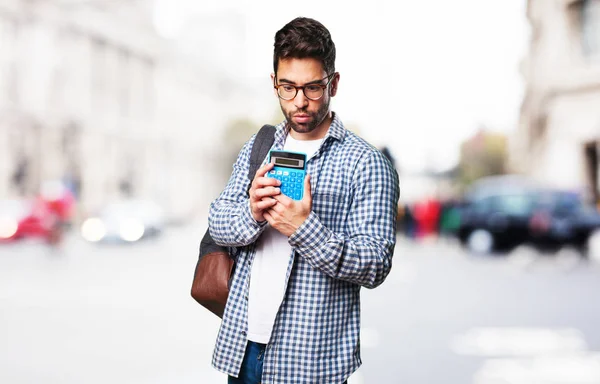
484 154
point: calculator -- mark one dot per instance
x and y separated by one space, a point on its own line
290 169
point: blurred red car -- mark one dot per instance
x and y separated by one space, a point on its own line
44 217
26 218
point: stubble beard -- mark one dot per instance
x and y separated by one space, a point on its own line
316 118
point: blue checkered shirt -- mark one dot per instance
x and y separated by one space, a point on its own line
346 243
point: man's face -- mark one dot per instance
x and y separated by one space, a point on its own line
305 116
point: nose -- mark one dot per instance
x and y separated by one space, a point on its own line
300 101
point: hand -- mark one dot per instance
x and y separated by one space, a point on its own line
262 190
287 215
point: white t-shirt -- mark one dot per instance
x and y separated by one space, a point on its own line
269 268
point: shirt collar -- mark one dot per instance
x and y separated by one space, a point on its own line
336 130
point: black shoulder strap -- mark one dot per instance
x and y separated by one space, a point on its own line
262 143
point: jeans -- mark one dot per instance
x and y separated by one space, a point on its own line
252 366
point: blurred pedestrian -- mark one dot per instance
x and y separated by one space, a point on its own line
293 313
388 154
59 202
426 214
449 219
406 222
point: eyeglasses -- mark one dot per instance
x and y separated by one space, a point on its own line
311 91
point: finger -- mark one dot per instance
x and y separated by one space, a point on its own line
283 199
262 171
262 182
267 215
266 204
266 182
267 192
277 209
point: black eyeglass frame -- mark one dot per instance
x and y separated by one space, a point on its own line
324 86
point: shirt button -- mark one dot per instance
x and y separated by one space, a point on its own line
243 333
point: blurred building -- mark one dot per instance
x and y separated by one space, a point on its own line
558 140
92 95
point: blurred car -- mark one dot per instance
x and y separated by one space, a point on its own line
125 221
495 221
23 218
506 211
561 217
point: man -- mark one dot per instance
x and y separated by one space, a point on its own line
293 313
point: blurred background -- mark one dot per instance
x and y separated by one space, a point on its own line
120 121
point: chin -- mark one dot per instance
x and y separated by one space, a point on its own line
302 129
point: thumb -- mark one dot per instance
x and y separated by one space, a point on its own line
307 192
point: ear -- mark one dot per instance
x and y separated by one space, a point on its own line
334 84
273 82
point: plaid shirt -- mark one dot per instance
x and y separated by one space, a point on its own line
346 242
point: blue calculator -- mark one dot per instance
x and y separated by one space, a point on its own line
290 169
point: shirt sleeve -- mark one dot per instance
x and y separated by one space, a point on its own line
230 220
363 253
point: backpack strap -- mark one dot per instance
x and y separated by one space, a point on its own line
262 143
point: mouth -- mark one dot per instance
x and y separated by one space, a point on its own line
302 118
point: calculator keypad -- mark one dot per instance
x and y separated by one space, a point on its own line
292 182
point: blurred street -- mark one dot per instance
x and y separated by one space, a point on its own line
123 314
123 119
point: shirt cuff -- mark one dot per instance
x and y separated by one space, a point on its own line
310 236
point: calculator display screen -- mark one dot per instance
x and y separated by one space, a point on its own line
287 159
282 161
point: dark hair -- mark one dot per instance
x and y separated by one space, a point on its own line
304 38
